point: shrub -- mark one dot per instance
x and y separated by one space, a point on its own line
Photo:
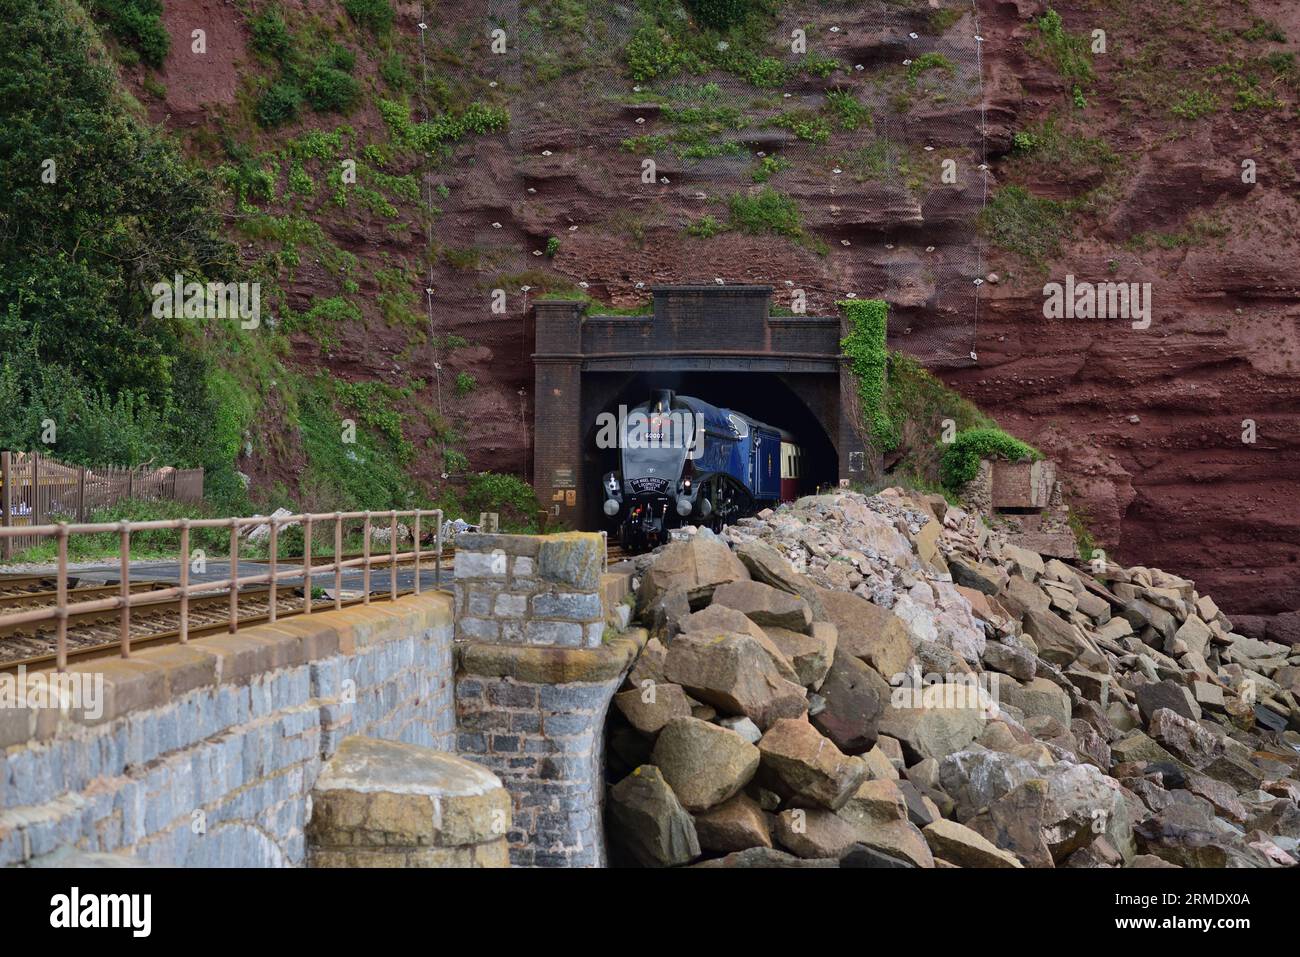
510 497
552 246
926 62
848 112
704 227
271 34
768 167
465 383
329 89
138 23
766 212
961 459
375 15
278 104
651 54
392 69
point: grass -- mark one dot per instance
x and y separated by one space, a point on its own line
1017 220
766 212
1069 52
1052 145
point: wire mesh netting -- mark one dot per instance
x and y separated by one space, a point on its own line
864 120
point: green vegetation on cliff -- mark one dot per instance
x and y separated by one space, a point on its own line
96 209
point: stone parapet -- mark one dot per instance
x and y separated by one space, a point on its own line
204 754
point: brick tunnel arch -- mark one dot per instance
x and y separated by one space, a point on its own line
718 343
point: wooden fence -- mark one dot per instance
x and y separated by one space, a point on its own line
38 490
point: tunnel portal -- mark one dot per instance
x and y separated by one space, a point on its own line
717 343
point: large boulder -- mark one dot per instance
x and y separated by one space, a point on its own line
959 845
878 812
1143 614
765 605
733 673
1184 737
1010 660
935 721
1037 697
719 618
648 822
703 763
770 567
809 654
1064 808
806 769
698 565
856 696
650 708
988 579
867 631
814 832
975 779
1170 694
1057 640
734 825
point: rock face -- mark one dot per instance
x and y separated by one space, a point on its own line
850 705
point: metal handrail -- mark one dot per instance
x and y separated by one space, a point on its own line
127 599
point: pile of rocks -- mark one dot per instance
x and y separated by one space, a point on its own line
883 682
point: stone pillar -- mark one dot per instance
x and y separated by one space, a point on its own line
558 473
535 679
385 804
857 463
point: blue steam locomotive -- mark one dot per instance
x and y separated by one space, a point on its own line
686 461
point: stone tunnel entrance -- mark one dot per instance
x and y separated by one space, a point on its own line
719 343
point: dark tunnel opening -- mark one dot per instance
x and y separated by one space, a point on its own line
797 403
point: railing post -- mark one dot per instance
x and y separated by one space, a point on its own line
415 539
124 566
185 581
275 548
6 502
35 512
392 556
61 645
338 560
365 561
437 555
234 574
306 565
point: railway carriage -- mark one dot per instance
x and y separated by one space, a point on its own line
685 461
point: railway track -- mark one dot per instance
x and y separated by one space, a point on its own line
154 624
96 634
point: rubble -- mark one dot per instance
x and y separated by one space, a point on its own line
883 681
